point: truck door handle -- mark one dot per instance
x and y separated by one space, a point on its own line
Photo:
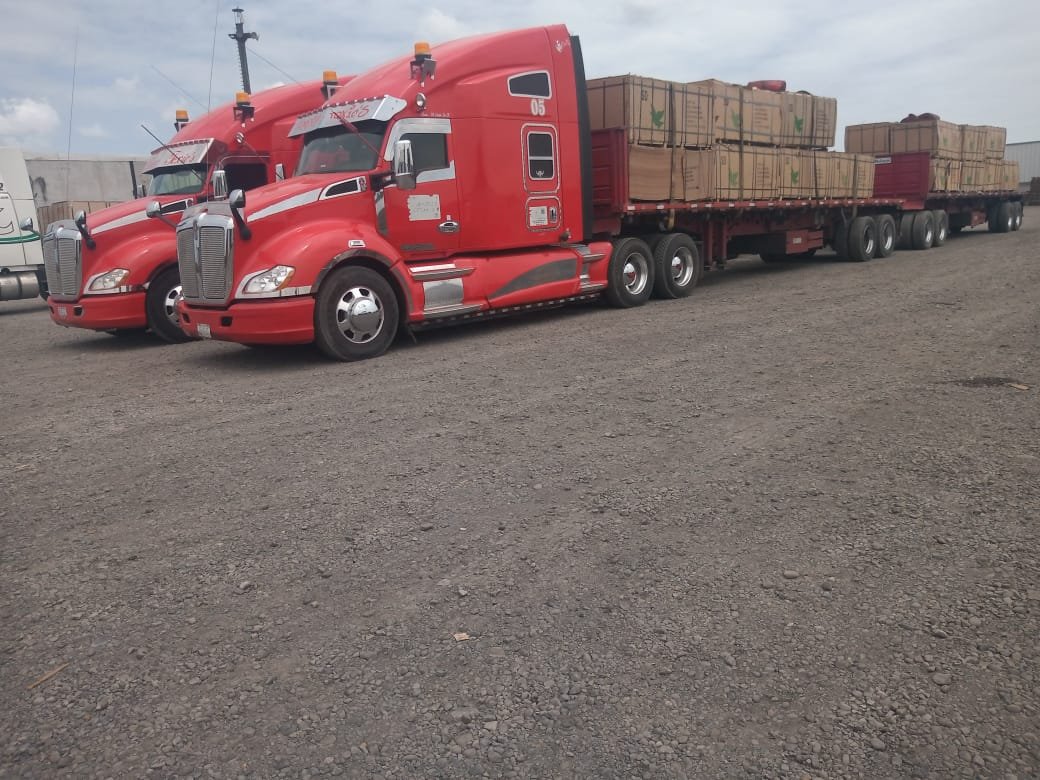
451 226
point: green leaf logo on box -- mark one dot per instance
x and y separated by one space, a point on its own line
794 176
734 178
799 124
656 117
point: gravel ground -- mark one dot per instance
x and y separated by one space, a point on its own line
784 528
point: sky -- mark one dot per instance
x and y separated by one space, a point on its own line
135 63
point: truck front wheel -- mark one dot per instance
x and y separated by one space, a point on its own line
630 275
355 314
678 266
160 306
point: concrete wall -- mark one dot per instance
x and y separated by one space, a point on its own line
54 180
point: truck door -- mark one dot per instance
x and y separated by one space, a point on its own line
423 223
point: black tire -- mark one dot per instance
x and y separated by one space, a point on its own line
906 231
923 231
886 236
1002 218
41 280
677 266
942 227
630 275
160 306
862 239
840 240
1018 214
356 314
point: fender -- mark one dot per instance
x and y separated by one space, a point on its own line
144 255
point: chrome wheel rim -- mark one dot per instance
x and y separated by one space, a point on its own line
868 250
635 273
928 236
682 267
170 304
888 238
359 315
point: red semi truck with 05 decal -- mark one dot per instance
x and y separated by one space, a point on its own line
434 190
115 269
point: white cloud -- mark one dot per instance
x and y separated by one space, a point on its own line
125 85
26 120
439 26
94 130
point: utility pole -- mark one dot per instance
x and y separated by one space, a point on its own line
241 36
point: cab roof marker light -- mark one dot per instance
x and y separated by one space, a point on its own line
424 65
329 82
180 119
243 109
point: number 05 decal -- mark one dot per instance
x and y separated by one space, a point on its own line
537 107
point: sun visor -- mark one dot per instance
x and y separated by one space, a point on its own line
381 109
182 153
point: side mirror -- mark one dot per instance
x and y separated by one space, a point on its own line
142 190
81 220
279 172
26 225
153 210
404 165
218 185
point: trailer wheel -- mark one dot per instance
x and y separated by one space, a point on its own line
942 227
862 239
886 235
630 276
677 266
923 231
1002 218
906 231
160 307
1017 206
840 240
355 314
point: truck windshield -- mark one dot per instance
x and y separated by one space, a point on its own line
340 150
178 180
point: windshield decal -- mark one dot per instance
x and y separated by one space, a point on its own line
380 109
183 153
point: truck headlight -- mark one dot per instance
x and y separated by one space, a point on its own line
268 282
108 282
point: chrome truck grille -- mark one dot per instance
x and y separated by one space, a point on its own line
63 262
205 245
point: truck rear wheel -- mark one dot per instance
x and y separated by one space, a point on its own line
886 235
1001 218
355 314
160 307
942 227
923 231
630 275
906 231
1017 206
677 266
862 239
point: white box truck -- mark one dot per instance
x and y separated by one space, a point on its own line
21 256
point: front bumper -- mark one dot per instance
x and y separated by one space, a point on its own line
275 321
101 312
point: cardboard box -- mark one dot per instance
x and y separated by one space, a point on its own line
995 143
796 115
654 172
642 106
693 109
944 175
973 176
824 121
797 173
835 174
873 138
863 178
973 142
759 172
1009 175
724 117
993 175
760 116
712 174
939 138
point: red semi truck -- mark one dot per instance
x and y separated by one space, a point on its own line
116 270
441 190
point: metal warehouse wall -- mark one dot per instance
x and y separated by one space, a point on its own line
54 180
1027 155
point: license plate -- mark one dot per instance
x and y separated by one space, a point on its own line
204 331
63 311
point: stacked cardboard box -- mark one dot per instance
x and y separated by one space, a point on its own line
714 140
67 209
964 158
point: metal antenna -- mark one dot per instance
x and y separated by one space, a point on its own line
240 36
